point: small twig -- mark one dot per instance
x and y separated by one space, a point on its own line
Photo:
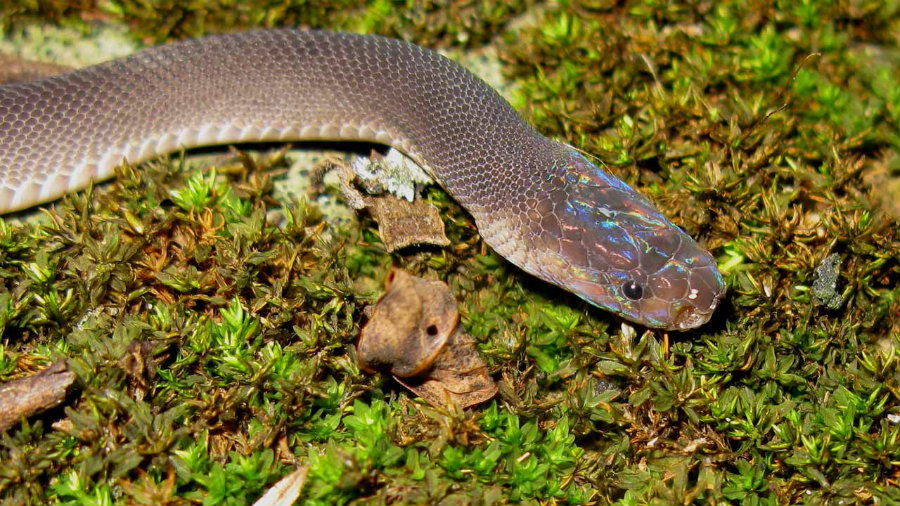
27 396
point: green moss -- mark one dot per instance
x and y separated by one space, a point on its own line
213 349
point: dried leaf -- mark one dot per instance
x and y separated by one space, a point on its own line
286 491
402 223
414 334
411 324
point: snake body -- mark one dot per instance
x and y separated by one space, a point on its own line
537 202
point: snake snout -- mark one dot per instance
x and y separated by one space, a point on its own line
689 318
706 289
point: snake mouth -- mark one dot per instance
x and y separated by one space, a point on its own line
691 317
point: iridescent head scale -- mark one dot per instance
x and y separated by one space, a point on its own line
537 202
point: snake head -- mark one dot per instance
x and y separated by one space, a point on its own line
596 237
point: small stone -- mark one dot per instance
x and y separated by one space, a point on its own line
824 288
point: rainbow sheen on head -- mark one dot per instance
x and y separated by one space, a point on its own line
606 243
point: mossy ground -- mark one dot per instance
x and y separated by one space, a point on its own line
214 350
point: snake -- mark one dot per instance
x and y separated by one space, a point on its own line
537 202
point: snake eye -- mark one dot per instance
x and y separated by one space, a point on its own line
632 290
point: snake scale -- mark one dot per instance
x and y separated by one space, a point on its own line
537 202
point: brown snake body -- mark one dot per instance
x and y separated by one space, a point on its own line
537 202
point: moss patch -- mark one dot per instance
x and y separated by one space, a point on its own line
214 350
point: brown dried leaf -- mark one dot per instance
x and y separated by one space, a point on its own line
411 323
458 376
402 223
414 334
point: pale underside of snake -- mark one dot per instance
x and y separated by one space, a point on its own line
537 202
